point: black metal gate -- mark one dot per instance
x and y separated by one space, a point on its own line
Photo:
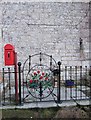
38 78
8 87
41 78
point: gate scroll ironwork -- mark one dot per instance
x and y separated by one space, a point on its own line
38 76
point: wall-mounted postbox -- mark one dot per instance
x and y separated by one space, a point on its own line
9 54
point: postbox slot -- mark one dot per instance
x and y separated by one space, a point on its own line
8 55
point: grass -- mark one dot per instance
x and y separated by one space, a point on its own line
56 112
29 113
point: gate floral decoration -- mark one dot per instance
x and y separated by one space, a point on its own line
37 77
40 82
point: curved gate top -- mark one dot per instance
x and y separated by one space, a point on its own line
38 76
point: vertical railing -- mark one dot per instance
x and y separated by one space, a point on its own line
3 87
80 82
79 75
23 83
58 85
29 62
70 79
16 80
86 72
76 82
9 84
40 59
19 71
51 62
76 91
65 82
40 92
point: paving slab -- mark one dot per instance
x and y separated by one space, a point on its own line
47 104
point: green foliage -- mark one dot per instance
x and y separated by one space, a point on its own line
29 113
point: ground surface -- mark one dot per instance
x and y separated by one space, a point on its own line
57 112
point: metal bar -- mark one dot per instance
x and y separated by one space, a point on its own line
19 70
40 92
70 79
51 62
65 82
76 82
16 80
9 85
15 86
40 58
6 72
3 87
86 79
23 85
81 82
58 93
29 61
36 55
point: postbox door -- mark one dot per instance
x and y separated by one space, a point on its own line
9 57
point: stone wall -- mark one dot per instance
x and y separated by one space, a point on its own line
55 28
0 36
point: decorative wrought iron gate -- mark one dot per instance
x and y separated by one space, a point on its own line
38 78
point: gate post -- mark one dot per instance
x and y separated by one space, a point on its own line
58 85
19 70
16 80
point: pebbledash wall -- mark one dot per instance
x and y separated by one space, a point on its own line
55 28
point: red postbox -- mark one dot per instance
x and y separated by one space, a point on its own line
9 55
10 58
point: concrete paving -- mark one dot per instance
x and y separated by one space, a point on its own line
47 104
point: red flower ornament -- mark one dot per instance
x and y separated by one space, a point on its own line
31 81
41 77
38 71
43 73
46 78
35 73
